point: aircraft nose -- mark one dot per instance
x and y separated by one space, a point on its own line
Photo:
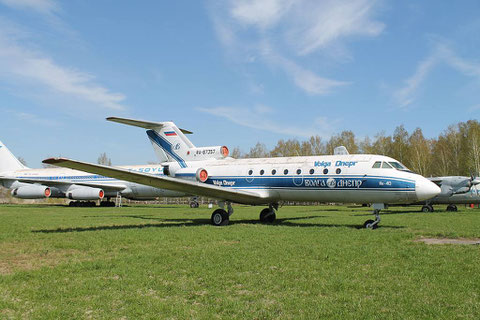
426 189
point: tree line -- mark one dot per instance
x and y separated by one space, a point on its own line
456 151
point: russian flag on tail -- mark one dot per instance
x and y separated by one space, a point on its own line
170 133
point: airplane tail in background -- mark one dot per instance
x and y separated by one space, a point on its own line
171 144
8 162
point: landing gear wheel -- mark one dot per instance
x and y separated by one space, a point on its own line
220 217
427 208
452 207
267 215
194 204
72 204
369 224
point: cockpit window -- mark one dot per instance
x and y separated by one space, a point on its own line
399 166
385 165
377 165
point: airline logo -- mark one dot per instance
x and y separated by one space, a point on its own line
170 133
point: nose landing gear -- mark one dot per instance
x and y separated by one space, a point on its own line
373 224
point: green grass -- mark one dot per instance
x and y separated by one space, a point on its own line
167 262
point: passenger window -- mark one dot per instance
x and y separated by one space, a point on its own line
250 172
285 171
325 171
299 171
385 165
274 172
339 171
262 172
312 171
377 165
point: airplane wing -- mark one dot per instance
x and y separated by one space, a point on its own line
163 182
58 184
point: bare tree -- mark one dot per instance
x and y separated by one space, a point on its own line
22 161
237 153
259 151
103 159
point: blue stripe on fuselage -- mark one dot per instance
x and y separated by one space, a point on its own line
326 183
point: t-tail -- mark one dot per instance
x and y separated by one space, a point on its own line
171 143
8 162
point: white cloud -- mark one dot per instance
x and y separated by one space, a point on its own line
42 6
26 68
318 24
441 54
256 118
406 95
262 14
308 80
274 29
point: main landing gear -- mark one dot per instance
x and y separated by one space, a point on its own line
82 204
221 217
452 207
428 208
194 202
268 215
373 224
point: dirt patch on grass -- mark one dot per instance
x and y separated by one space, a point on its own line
16 257
448 241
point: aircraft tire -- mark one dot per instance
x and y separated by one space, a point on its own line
367 223
452 207
220 218
194 204
72 204
427 208
267 215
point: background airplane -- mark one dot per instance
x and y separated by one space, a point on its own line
26 183
454 190
209 172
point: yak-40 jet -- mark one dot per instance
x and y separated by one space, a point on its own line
82 187
206 171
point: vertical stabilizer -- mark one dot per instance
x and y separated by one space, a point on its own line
169 141
8 162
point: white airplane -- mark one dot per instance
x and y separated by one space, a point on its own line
27 183
209 172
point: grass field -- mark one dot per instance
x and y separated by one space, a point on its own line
167 262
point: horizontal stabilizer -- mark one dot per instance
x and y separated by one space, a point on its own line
143 124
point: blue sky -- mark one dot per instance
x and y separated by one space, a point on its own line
234 72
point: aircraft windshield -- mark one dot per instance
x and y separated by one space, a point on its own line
385 165
398 166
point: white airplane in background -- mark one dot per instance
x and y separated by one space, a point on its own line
208 172
27 183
